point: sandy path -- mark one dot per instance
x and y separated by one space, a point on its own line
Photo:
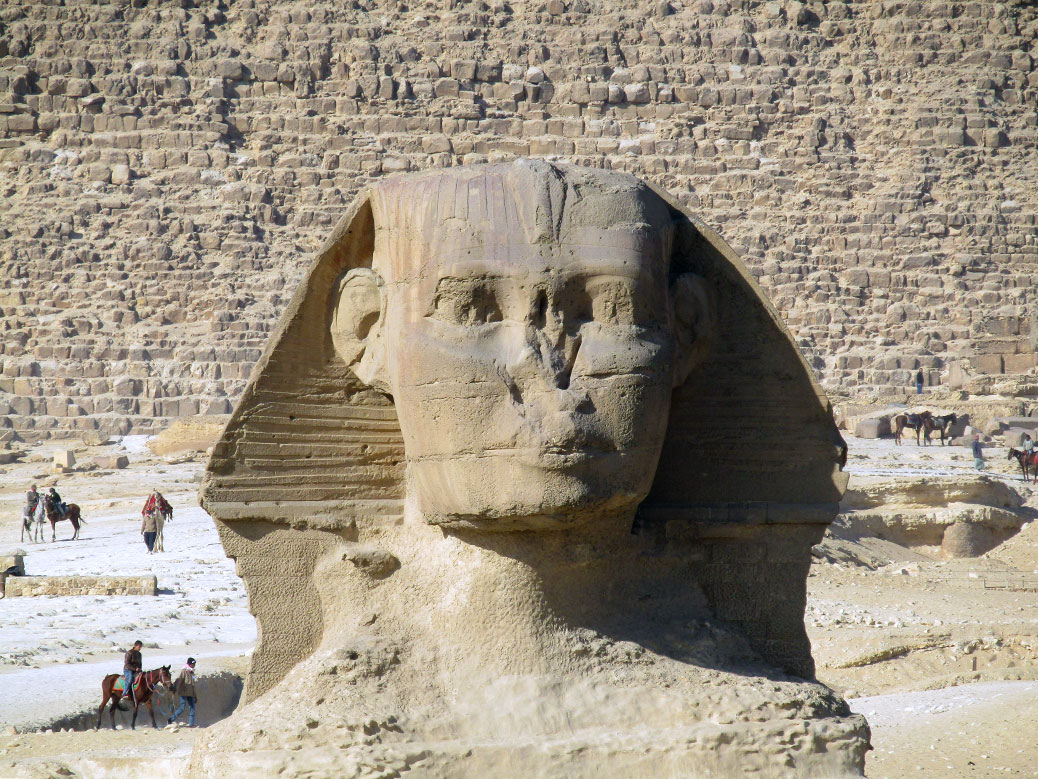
977 730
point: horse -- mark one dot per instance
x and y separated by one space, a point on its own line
1026 461
922 423
944 422
33 523
149 681
55 517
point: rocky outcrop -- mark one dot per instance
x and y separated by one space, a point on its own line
167 167
941 517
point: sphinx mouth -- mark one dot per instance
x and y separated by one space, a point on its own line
552 456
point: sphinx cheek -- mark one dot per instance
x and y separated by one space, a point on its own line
452 391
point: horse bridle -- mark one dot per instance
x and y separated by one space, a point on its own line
153 687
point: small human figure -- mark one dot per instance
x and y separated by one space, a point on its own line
978 453
149 529
159 509
1028 444
919 382
184 686
32 497
132 665
59 504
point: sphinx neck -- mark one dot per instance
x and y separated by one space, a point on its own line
522 603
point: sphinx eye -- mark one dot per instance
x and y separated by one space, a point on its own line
466 302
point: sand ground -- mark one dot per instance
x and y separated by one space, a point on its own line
939 656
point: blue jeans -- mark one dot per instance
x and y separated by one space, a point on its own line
128 681
190 701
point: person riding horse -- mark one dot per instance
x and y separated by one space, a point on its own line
59 504
132 665
32 497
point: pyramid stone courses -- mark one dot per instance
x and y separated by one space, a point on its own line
168 168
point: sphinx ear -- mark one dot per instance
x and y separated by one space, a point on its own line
359 308
694 323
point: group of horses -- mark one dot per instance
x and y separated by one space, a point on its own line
924 423
47 509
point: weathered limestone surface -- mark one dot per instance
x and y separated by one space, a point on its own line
945 518
166 165
26 586
489 495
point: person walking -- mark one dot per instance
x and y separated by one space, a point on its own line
149 529
132 665
919 382
159 511
184 686
978 453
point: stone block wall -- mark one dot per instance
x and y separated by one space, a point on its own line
167 168
27 586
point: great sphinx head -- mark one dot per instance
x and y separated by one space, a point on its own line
530 327
523 346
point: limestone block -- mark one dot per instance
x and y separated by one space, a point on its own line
229 69
1014 436
999 425
873 428
111 462
78 87
64 458
447 87
120 174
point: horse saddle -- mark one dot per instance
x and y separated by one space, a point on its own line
914 420
120 684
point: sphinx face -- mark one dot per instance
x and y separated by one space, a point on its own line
532 380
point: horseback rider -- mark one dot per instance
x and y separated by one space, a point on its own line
1028 445
59 504
132 665
32 498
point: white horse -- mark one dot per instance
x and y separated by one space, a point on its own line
33 523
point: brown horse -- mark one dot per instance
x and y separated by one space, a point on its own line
944 423
149 681
1026 461
55 517
921 423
